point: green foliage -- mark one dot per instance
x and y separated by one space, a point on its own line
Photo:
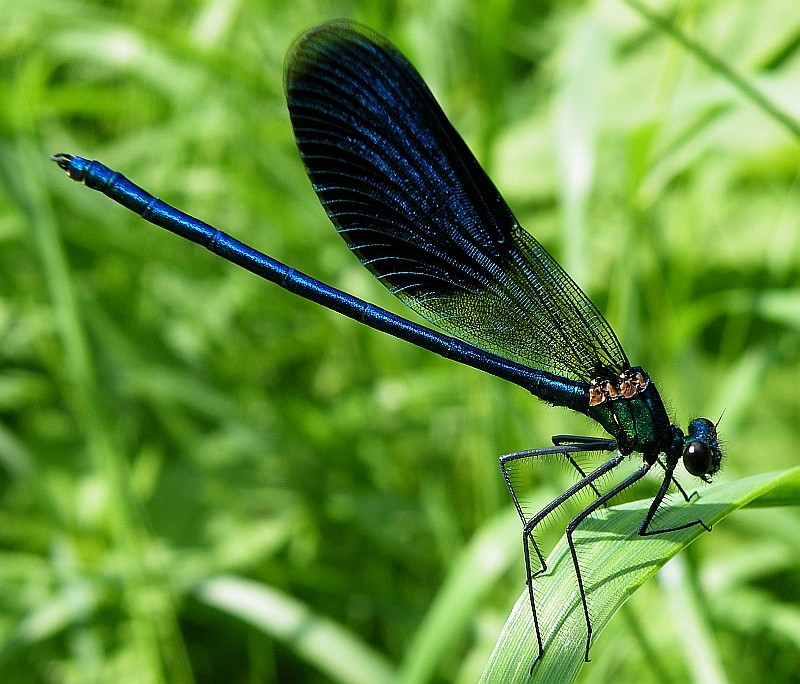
205 479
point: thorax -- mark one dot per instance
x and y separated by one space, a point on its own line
631 410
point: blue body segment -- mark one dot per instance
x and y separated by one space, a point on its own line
555 390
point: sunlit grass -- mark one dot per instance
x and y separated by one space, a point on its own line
169 422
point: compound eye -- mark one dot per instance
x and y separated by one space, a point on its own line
697 458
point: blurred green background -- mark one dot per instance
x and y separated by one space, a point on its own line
206 479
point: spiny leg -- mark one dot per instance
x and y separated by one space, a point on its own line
564 445
600 443
687 497
573 525
596 444
527 533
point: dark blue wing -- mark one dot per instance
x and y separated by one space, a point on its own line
414 205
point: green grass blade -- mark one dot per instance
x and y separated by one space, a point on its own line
338 653
740 83
472 576
696 640
616 562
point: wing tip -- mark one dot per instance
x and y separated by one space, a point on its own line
307 46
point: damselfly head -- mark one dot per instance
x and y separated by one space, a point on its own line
702 455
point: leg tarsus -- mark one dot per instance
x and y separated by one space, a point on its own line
656 503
